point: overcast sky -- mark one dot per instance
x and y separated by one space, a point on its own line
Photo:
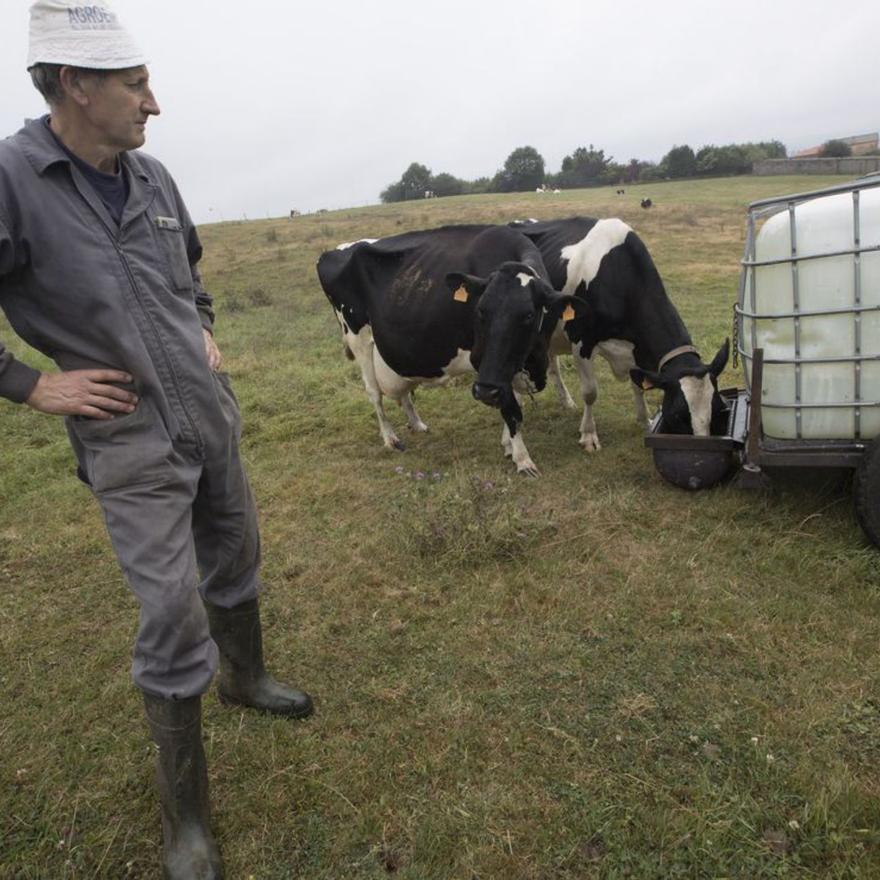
270 105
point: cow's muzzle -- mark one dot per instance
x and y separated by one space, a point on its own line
491 395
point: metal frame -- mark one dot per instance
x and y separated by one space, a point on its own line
759 451
764 208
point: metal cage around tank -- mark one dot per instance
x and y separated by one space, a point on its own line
748 316
854 439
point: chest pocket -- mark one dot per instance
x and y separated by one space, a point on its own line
172 247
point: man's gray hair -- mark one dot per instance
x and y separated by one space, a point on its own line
47 80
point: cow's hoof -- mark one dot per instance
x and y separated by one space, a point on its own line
419 428
395 443
528 469
590 442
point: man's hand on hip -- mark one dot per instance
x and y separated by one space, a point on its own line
214 356
83 393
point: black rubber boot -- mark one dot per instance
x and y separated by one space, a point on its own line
189 851
243 677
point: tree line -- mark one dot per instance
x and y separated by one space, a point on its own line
524 170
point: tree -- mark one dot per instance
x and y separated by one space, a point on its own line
835 149
650 171
586 166
680 162
415 180
444 184
412 185
633 170
480 185
523 170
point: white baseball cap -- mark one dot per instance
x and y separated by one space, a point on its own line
82 35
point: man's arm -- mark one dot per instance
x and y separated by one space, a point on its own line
82 393
79 392
203 300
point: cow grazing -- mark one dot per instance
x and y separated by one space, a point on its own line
646 203
422 307
629 320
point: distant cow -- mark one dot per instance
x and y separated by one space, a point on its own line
294 213
646 203
620 192
422 307
629 320
429 194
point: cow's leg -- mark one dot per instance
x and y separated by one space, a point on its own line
513 418
619 354
520 455
565 399
398 388
589 391
505 441
361 345
412 417
640 407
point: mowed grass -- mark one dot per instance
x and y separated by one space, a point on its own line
592 674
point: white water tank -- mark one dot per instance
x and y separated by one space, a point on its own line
810 298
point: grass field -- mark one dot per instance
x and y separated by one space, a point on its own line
587 675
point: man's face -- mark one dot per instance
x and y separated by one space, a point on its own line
119 106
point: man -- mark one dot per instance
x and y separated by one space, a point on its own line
98 271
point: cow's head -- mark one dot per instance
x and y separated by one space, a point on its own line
515 313
691 402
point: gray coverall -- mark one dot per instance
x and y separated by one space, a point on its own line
168 476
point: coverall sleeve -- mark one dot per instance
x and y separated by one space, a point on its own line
204 301
17 380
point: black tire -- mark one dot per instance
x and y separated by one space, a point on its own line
866 492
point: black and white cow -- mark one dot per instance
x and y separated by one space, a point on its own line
629 320
422 307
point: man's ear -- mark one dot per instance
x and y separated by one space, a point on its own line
75 84
646 380
465 287
719 362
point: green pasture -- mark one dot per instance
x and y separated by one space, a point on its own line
587 675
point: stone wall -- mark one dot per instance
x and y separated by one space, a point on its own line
855 166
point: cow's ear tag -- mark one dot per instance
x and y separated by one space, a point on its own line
647 384
460 295
568 314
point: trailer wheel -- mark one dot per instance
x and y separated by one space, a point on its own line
866 492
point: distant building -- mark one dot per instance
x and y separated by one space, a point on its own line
860 144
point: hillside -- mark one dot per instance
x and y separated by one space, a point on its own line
591 674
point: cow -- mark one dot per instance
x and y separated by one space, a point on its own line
646 203
630 321
422 307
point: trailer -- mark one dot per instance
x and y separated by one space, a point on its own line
807 331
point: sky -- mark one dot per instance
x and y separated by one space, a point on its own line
273 105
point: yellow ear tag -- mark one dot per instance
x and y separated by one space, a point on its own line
568 314
460 295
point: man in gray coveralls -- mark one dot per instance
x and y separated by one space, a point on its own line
98 271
